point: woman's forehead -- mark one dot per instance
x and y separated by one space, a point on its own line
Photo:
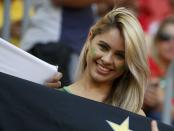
112 38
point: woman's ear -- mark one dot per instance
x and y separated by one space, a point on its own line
90 35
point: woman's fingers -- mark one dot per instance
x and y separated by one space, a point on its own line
54 85
57 77
154 126
55 81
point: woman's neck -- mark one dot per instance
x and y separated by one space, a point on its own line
89 88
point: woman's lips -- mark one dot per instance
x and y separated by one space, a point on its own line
102 70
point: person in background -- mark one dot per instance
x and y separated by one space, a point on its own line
162 54
113 63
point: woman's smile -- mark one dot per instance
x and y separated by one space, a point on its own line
101 69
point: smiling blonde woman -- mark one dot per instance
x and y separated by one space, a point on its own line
127 89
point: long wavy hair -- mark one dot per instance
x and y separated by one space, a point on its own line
128 89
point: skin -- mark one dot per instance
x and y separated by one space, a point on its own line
120 67
55 81
154 126
93 52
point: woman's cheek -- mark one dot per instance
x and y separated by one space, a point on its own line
93 52
121 67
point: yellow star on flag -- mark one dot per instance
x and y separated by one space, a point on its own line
124 126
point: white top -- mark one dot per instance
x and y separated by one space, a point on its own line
45 26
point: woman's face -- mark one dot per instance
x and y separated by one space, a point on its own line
165 45
106 56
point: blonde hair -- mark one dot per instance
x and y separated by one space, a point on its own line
128 90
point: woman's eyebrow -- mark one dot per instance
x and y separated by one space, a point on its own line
107 46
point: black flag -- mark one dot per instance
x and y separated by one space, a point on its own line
26 106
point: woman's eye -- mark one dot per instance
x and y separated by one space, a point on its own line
103 47
120 56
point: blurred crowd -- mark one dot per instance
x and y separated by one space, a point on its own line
57 30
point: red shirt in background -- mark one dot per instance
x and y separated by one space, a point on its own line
152 10
154 68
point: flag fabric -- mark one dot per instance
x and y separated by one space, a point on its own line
27 106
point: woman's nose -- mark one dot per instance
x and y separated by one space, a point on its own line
107 58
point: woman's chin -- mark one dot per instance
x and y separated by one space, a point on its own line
100 78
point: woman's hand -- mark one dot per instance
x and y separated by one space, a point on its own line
55 81
154 126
